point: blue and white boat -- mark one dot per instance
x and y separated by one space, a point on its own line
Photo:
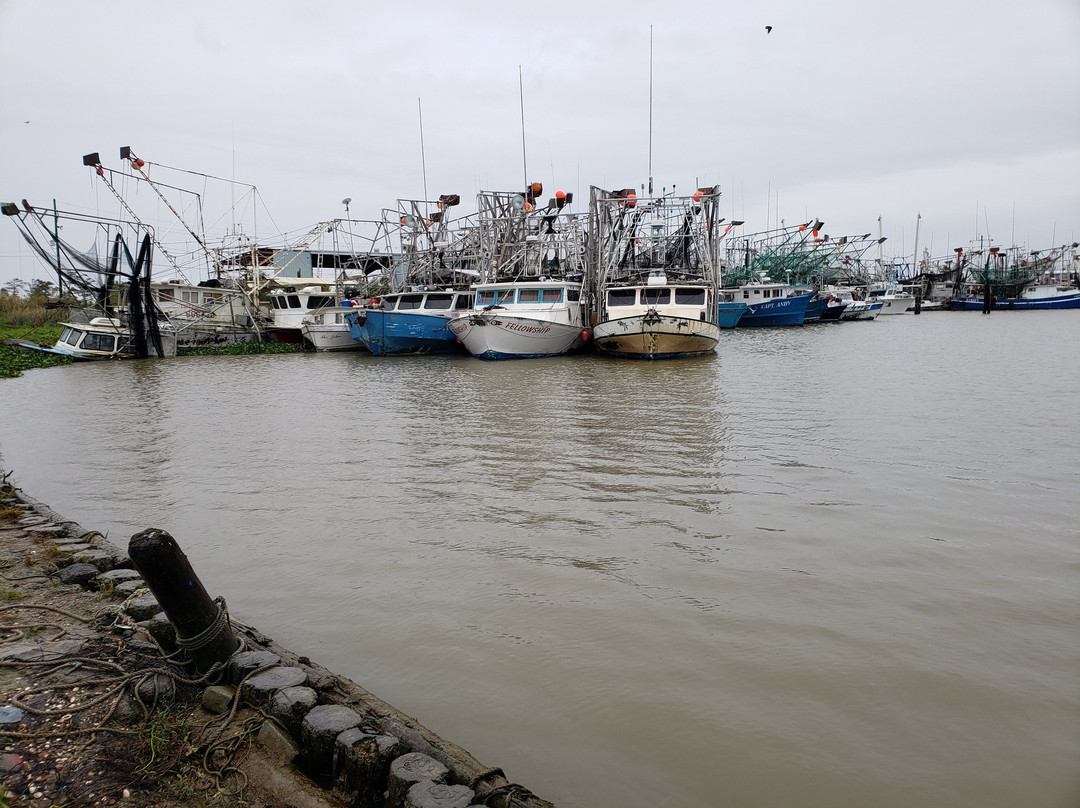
1037 296
411 322
770 304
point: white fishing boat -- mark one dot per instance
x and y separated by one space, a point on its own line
657 271
656 321
893 297
207 313
530 302
292 307
328 330
854 307
108 338
522 320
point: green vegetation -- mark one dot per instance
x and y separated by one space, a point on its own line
27 313
28 317
243 349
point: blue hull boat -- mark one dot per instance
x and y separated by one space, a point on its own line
777 311
410 323
815 309
1066 300
729 314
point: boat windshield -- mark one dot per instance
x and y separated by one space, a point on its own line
98 342
690 297
652 296
409 302
438 301
70 336
621 297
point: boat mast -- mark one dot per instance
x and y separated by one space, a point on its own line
521 98
423 160
650 108
915 260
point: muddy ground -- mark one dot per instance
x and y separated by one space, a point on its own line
93 714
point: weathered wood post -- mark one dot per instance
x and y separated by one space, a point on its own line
202 626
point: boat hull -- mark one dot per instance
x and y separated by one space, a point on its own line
899 304
655 336
729 314
975 303
778 311
330 338
389 333
498 336
815 309
861 310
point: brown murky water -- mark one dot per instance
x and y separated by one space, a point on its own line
836 565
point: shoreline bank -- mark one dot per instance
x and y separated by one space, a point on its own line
88 675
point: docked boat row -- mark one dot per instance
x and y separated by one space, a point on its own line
524 276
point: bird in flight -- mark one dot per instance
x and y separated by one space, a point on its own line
768 29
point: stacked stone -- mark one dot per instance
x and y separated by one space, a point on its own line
330 742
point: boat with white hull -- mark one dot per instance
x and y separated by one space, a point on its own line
328 329
522 320
107 338
657 321
657 263
894 298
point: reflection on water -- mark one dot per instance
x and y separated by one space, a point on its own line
830 565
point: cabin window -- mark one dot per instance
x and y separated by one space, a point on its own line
485 298
212 297
651 296
505 296
462 302
573 295
438 301
98 342
690 297
622 297
164 294
409 302
320 301
189 296
552 295
746 294
529 295
69 336
293 301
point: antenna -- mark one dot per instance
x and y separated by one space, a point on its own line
521 96
423 160
650 109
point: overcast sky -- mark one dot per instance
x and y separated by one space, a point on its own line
964 111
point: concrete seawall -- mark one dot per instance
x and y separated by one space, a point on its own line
316 738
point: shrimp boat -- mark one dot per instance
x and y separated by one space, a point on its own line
123 321
206 313
657 259
110 338
438 260
1014 280
531 301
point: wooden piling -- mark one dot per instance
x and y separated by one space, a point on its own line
202 626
